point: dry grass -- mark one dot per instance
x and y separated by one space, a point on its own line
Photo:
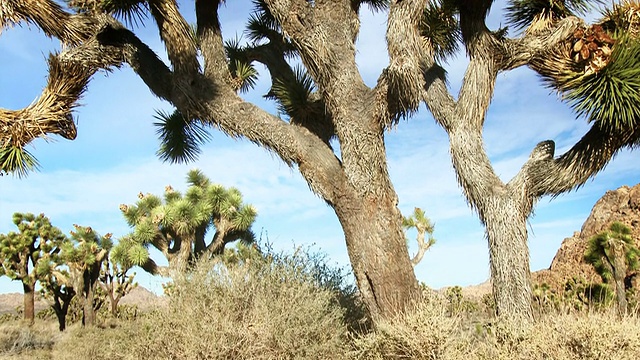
430 332
294 308
17 341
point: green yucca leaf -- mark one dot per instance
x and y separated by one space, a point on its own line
247 73
118 253
145 231
133 12
439 25
620 229
194 194
196 177
247 238
18 161
234 50
261 22
137 255
261 27
215 194
293 96
612 95
148 203
180 137
521 13
172 195
244 217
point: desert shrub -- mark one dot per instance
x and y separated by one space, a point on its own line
431 332
458 304
426 332
272 307
578 336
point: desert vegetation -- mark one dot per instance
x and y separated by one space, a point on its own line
264 305
254 303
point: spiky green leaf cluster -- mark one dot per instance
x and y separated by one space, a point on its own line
522 13
133 12
611 96
417 219
180 137
262 24
623 17
293 97
240 68
439 26
86 247
17 160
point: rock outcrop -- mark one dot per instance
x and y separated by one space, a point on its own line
622 205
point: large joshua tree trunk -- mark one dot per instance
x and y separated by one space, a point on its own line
378 253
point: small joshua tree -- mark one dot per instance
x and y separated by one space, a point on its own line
55 286
178 225
83 256
423 225
612 253
21 252
115 282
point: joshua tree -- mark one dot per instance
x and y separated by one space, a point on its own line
595 67
613 253
115 282
178 226
423 226
21 253
56 288
83 256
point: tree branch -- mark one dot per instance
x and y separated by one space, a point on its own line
209 34
48 16
176 35
399 89
545 175
521 51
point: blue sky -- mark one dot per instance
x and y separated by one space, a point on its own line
113 159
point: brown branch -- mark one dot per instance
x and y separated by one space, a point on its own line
48 16
69 74
399 89
522 51
51 112
211 44
548 176
176 35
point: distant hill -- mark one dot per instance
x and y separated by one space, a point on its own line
622 205
140 296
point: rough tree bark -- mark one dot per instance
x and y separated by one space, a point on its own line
29 302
